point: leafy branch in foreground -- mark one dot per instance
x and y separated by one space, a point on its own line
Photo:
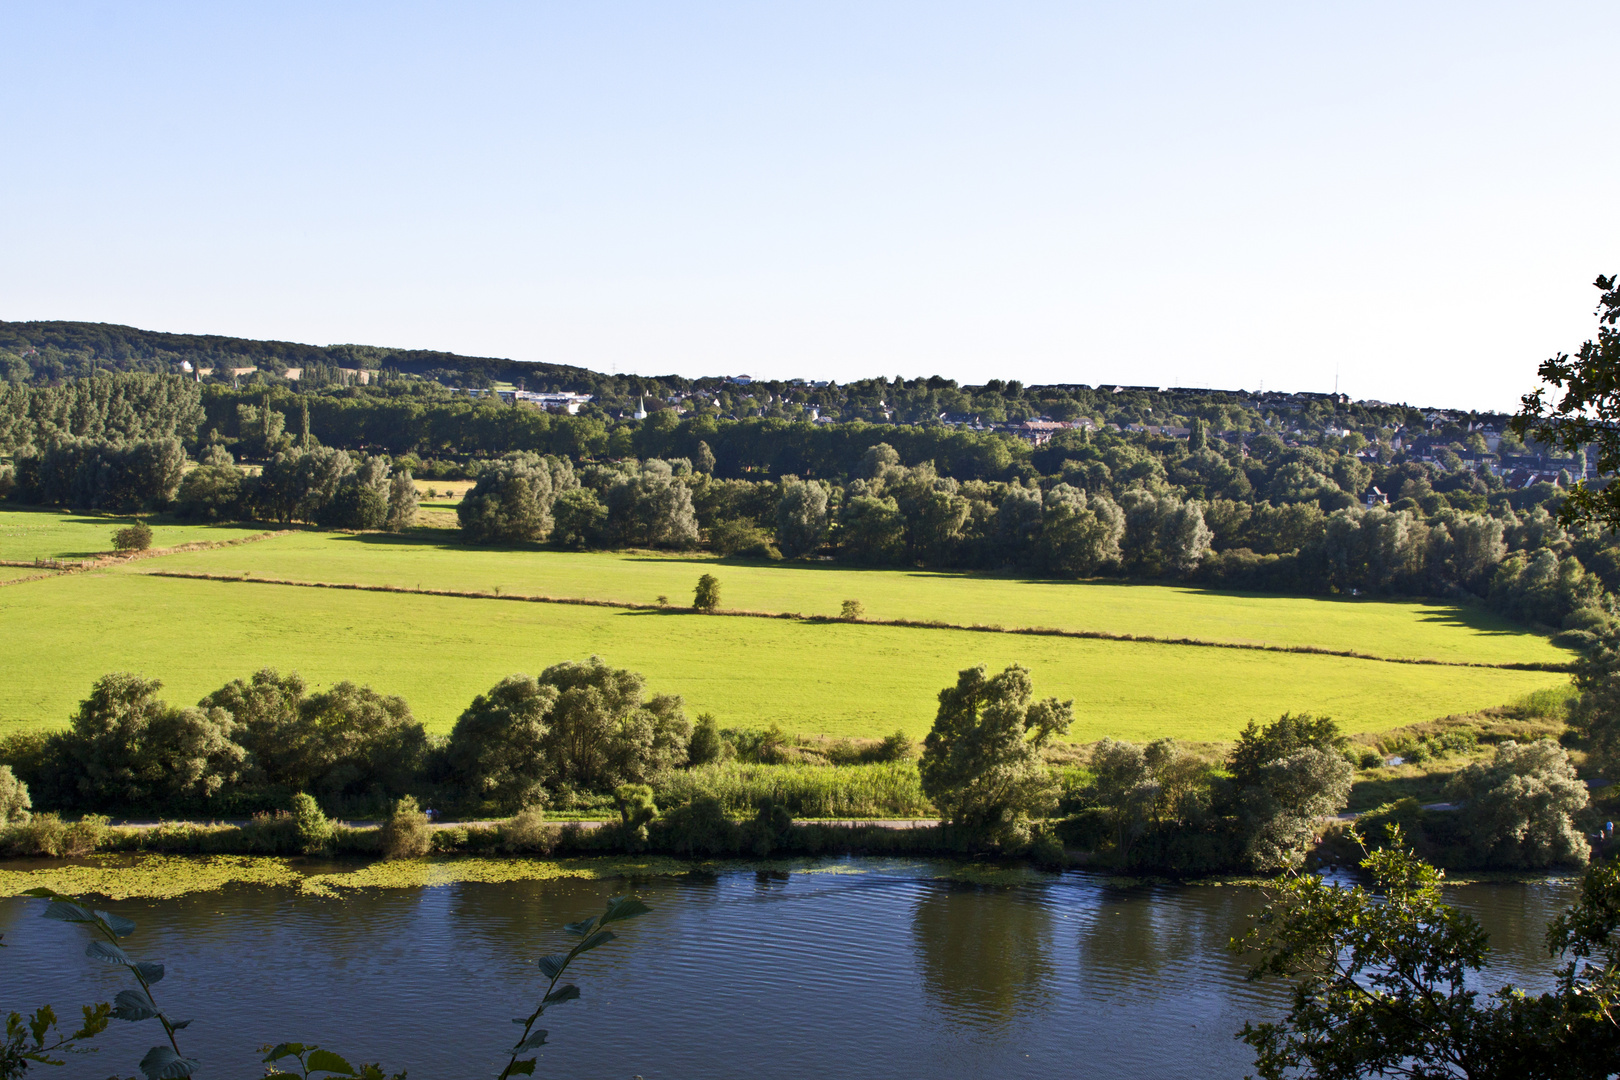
312 1059
591 934
1588 412
17 1052
161 1062
1381 983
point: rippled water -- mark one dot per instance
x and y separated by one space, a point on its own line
874 969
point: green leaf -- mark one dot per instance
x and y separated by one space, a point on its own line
326 1061
68 911
149 971
581 928
521 1068
108 953
162 1063
601 937
553 965
116 923
133 1005
562 994
281 1050
41 1022
536 1038
623 907
178 1024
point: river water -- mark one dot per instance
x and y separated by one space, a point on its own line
862 968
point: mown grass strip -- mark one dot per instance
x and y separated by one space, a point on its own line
921 624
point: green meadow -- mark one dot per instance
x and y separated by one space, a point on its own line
1405 629
832 678
52 534
61 633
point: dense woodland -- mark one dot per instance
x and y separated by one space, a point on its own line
1248 497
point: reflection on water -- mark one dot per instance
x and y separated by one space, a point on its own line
985 956
876 970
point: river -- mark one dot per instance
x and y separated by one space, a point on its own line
859 968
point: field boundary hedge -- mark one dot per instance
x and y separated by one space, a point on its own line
794 616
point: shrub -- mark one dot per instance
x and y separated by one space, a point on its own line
48 834
707 595
314 831
1046 851
137 537
637 810
41 834
851 610
15 804
706 744
527 833
699 828
896 747
406 834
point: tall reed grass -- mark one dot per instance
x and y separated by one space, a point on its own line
888 789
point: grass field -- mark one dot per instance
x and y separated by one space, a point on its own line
1394 628
51 534
831 678
837 679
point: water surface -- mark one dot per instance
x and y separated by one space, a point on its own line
863 968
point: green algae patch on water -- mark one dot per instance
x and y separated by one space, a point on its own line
150 877
432 873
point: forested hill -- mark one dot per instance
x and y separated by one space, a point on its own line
50 351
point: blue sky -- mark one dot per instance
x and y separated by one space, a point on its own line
1413 196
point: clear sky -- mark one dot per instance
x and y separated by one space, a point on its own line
1415 196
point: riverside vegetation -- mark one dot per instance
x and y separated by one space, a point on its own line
584 737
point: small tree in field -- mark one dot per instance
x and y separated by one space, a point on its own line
707 596
851 611
981 764
137 537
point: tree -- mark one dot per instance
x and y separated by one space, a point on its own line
1286 778
513 499
402 502
1518 810
602 733
703 460
497 750
346 741
1586 414
15 803
801 517
652 508
1081 533
981 764
1125 789
870 529
1381 983
211 492
1596 713
706 597
580 519
127 746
